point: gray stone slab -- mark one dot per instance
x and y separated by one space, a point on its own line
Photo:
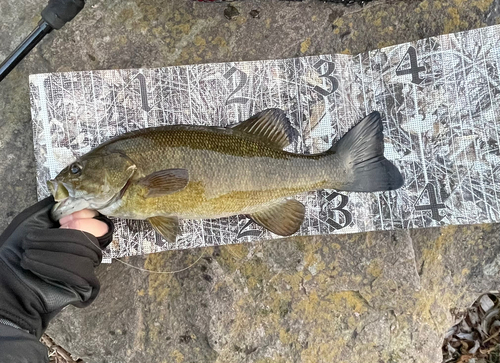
379 297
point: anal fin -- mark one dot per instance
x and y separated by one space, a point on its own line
168 227
283 218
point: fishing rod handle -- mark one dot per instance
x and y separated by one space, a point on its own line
59 12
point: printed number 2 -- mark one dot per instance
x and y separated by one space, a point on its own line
433 205
242 82
340 208
330 67
248 232
414 69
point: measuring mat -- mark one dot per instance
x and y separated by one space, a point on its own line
439 98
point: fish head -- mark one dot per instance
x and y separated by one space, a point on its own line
92 182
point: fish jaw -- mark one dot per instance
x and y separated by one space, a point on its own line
58 190
72 205
68 206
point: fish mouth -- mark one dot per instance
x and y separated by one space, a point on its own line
68 206
65 204
58 190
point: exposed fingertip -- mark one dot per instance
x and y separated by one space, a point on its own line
92 226
66 220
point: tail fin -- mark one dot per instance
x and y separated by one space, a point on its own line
362 150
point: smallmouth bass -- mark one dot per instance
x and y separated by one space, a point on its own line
165 173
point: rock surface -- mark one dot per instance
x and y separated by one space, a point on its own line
377 297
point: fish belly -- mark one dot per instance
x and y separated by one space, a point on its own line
222 185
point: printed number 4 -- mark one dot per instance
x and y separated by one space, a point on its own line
433 205
414 69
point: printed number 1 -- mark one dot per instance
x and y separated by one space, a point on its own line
144 92
414 69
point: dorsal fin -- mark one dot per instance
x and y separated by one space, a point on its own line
270 126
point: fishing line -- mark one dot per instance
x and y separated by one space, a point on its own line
229 248
234 254
151 271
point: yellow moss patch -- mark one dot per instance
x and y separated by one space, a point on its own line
185 28
286 337
453 23
304 46
240 20
256 273
178 356
161 286
232 256
294 280
350 299
324 352
309 307
221 42
311 251
122 40
434 286
375 268
487 227
482 5
424 5
335 246
125 15
384 44
199 41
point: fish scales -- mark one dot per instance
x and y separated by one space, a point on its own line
229 172
170 172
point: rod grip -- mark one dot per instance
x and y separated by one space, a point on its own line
59 12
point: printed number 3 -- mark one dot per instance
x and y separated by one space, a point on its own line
330 67
340 208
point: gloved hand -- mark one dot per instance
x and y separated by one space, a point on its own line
44 268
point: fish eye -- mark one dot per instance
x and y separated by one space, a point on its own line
75 168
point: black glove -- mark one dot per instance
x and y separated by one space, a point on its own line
44 268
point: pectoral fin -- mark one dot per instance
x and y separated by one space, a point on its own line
165 182
282 218
270 126
168 227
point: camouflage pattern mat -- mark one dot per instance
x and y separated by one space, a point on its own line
438 97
